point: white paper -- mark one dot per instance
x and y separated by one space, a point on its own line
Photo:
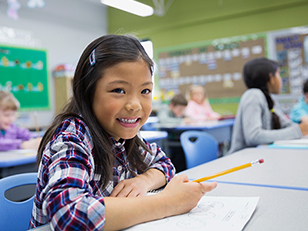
211 213
296 142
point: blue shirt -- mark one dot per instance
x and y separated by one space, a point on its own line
299 110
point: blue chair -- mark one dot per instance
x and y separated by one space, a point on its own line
199 147
16 215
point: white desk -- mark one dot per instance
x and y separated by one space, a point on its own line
288 144
281 182
152 136
221 130
17 161
277 210
285 168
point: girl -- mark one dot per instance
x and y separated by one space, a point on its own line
94 169
259 120
199 108
11 136
299 111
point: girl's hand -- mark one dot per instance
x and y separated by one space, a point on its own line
140 185
304 126
304 119
133 187
31 144
182 195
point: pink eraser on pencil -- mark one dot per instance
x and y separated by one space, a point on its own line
261 161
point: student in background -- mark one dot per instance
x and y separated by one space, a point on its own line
173 114
94 168
199 108
299 111
11 136
259 119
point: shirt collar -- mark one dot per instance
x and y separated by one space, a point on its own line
117 144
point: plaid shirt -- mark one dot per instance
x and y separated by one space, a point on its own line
68 194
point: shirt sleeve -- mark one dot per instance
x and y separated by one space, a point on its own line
9 144
210 113
299 110
68 198
23 133
295 116
158 159
14 140
192 112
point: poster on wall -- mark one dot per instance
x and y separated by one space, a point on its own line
292 55
290 48
216 65
23 71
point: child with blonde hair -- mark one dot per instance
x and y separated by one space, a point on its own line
198 107
11 136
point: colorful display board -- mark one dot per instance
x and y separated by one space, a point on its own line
292 55
216 65
23 71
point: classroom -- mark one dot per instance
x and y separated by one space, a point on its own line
223 102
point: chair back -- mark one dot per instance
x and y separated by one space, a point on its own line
199 147
16 215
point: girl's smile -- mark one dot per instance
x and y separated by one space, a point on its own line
123 98
129 123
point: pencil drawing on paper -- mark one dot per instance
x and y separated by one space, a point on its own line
211 213
190 224
210 205
196 217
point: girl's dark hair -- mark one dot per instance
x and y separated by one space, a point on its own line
256 74
305 87
102 53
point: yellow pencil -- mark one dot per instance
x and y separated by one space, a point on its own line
260 161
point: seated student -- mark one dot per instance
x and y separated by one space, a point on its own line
174 112
198 108
94 169
259 119
11 136
299 111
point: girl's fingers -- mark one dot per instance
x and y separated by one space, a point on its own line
207 187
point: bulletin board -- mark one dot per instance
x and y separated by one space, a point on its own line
292 55
289 47
216 65
23 71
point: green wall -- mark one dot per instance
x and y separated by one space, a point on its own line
200 20
188 22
